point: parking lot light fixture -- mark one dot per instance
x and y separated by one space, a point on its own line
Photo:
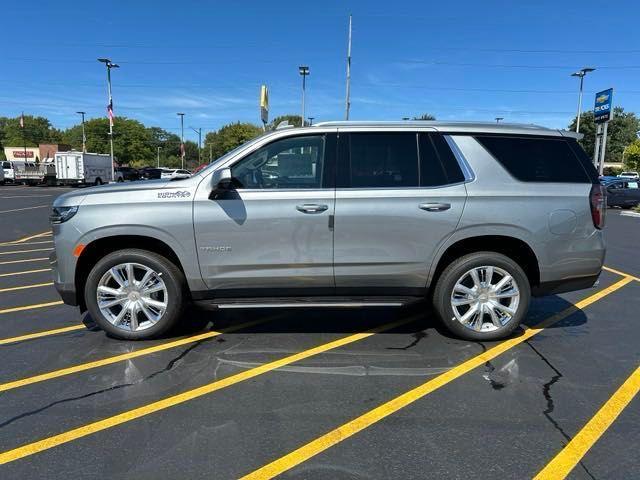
304 71
580 73
499 119
109 64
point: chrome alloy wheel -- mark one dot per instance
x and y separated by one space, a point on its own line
485 298
132 296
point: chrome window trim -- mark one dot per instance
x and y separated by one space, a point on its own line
468 173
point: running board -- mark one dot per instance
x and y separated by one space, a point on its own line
311 302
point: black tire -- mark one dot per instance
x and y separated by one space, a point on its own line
98 181
454 271
171 275
120 180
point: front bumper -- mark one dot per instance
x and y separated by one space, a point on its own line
66 291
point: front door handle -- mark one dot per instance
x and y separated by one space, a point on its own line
435 207
312 208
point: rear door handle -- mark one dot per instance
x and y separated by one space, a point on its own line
312 208
435 207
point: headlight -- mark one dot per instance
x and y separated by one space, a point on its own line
62 214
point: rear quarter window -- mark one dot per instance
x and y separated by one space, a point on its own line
538 159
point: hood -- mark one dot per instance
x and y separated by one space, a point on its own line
78 196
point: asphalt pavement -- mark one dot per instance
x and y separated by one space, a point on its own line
315 394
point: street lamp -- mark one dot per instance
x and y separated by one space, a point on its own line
199 132
84 138
311 120
159 148
109 64
499 119
181 115
580 73
304 71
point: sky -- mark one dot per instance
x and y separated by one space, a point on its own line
458 60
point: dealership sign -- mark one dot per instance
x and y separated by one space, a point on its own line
22 154
604 106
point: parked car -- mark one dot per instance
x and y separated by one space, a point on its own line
175 173
473 217
126 174
623 192
631 175
150 173
7 171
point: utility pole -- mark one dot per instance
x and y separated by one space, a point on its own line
210 159
159 148
181 115
199 132
348 97
304 71
109 66
580 73
84 137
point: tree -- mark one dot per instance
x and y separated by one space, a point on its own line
425 116
295 120
632 156
623 130
229 137
36 130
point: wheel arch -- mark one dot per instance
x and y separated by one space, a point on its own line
100 247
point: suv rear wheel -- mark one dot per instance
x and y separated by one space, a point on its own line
135 294
482 296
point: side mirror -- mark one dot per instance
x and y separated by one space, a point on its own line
221 179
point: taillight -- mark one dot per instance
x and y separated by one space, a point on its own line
598 202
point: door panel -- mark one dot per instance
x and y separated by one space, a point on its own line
384 239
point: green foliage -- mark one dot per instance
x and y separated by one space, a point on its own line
295 120
36 130
229 137
623 130
611 171
425 116
632 156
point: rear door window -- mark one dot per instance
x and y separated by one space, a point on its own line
438 166
383 160
536 159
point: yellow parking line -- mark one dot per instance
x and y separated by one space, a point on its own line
127 416
46 333
25 287
27 251
30 307
26 239
358 424
618 272
23 208
26 243
125 356
25 260
25 272
570 455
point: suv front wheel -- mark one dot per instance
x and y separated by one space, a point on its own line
482 296
135 294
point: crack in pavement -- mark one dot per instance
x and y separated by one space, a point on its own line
168 368
546 391
418 336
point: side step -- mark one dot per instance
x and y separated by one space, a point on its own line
311 302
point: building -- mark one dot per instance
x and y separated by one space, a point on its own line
44 152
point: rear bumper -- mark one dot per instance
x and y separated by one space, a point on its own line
563 286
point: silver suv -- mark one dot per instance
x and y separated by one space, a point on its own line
475 218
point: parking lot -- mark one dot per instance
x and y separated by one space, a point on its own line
321 394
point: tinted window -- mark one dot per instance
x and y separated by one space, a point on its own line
383 160
6 165
438 166
295 162
536 159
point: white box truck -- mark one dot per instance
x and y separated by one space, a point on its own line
77 168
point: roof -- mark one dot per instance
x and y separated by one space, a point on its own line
462 127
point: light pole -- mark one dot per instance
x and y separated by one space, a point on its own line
199 132
499 119
84 138
109 64
311 120
580 73
159 148
304 71
181 115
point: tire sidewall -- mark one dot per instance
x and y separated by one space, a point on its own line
448 279
171 275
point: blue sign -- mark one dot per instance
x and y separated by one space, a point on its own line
603 108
